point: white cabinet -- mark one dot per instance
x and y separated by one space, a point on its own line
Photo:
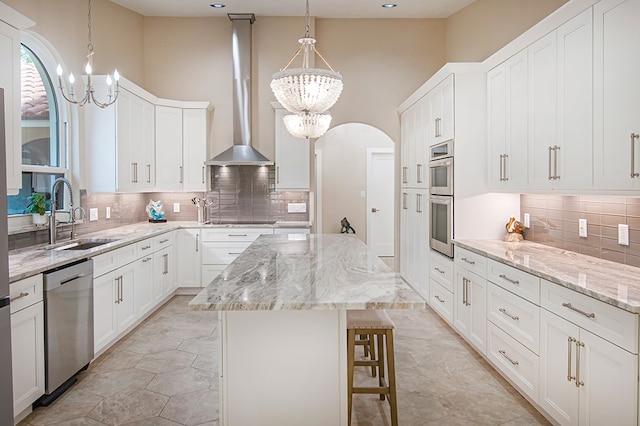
415 145
441 284
616 109
181 148
143 285
470 306
27 342
189 259
164 277
583 378
120 141
507 123
292 157
414 249
440 126
169 148
10 83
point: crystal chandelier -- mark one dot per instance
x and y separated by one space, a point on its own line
305 89
88 92
307 125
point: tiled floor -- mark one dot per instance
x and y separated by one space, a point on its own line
164 374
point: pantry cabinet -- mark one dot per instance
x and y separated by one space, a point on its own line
616 60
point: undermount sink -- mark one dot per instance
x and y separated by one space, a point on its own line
81 244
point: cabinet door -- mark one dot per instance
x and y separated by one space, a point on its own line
189 259
125 289
405 235
421 143
497 124
169 171
27 351
575 102
420 245
143 286
104 310
542 143
517 87
10 82
194 148
610 376
405 151
164 276
128 150
470 307
292 158
447 122
616 92
558 394
147 178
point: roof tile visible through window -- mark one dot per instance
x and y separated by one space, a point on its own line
34 105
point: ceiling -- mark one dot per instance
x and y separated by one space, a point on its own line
318 8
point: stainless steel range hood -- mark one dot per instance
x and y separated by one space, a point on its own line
241 153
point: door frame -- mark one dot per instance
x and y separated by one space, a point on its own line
370 153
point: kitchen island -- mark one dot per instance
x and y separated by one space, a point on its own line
282 325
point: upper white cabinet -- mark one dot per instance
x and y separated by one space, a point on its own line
181 147
616 60
10 83
440 126
120 141
415 145
292 157
507 88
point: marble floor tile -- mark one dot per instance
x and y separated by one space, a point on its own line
164 373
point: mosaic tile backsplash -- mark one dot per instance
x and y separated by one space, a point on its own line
554 222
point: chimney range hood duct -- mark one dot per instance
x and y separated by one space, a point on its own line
241 153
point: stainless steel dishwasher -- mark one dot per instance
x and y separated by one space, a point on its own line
68 309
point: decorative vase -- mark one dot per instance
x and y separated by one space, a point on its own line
40 219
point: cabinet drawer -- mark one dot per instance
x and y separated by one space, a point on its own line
514 360
113 259
222 253
474 262
515 315
25 292
441 300
145 247
516 281
234 234
616 325
442 270
163 240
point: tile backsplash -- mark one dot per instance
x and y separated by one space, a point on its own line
554 222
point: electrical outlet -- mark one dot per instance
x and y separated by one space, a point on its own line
107 213
363 194
527 220
93 214
623 234
582 228
176 207
297 207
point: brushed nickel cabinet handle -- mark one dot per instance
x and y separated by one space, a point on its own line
278 174
146 259
234 253
404 201
148 173
165 259
570 340
470 262
579 345
506 172
501 167
419 173
202 174
513 317
504 354
164 241
556 150
634 174
418 203
20 296
181 174
146 247
438 270
438 298
580 311
464 291
197 242
237 235
512 281
404 174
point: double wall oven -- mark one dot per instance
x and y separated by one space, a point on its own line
441 198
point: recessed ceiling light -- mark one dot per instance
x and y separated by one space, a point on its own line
218 5
389 5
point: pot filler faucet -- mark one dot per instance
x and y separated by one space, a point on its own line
54 205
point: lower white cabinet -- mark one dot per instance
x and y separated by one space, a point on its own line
27 342
414 249
143 285
583 378
189 259
470 307
164 274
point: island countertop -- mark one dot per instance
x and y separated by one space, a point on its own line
610 282
307 272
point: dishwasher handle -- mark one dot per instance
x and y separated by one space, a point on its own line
80 271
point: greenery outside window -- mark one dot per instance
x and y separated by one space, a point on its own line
43 148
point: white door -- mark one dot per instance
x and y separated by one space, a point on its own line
380 182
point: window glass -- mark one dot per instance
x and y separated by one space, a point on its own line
34 182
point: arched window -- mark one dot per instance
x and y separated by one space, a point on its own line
43 147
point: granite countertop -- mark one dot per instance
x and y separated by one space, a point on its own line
307 272
610 282
30 261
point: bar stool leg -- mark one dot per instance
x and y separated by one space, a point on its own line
372 346
381 383
392 378
351 347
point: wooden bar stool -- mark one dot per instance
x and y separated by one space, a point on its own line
373 323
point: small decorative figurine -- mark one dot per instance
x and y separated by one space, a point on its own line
514 230
155 212
346 227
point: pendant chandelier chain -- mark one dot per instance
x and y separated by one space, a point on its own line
307 22
89 44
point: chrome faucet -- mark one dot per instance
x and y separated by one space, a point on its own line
54 205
